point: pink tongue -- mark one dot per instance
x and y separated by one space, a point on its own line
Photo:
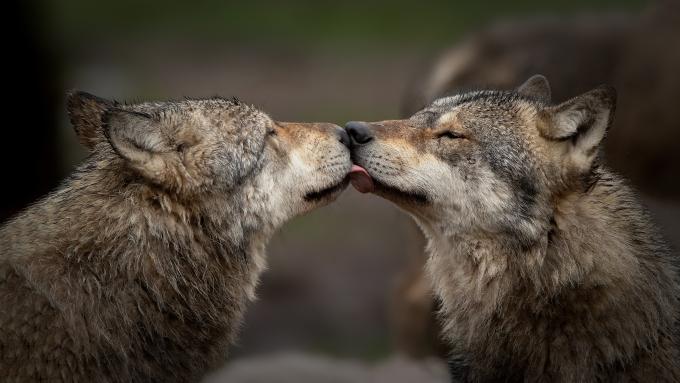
361 180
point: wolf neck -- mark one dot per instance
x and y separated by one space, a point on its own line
480 271
220 230
155 276
602 265
178 248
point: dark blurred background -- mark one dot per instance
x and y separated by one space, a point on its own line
344 293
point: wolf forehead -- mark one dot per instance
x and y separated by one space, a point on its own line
217 108
487 100
497 120
87 111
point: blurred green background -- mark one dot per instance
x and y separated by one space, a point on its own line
372 24
311 60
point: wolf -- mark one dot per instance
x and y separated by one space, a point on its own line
626 50
140 265
546 265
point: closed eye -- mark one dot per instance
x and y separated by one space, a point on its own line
450 135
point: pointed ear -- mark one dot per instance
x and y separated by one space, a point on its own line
581 123
139 139
536 87
86 112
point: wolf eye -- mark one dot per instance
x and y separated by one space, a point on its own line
271 132
450 135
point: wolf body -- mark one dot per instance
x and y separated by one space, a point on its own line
546 265
139 267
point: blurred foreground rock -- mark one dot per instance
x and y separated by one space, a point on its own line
303 368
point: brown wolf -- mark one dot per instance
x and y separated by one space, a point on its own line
139 267
546 266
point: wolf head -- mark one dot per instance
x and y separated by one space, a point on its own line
492 161
196 148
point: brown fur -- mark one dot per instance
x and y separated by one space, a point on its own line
139 267
547 267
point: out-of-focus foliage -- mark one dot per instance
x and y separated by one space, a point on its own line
309 22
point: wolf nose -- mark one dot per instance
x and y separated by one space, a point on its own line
359 131
343 136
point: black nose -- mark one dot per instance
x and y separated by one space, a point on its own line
359 131
343 136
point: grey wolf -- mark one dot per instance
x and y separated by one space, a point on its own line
546 265
140 265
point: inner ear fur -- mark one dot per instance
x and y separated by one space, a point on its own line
581 123
140 140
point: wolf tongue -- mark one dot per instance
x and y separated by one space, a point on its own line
361 180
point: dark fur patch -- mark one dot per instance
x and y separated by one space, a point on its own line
402 194
458 369
323 193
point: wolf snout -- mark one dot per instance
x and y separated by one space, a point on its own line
343 136
359 132
338 132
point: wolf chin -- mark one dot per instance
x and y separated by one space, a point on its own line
139 267
546 265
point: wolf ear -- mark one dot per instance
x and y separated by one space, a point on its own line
139 139
536 87
86 112
581 123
